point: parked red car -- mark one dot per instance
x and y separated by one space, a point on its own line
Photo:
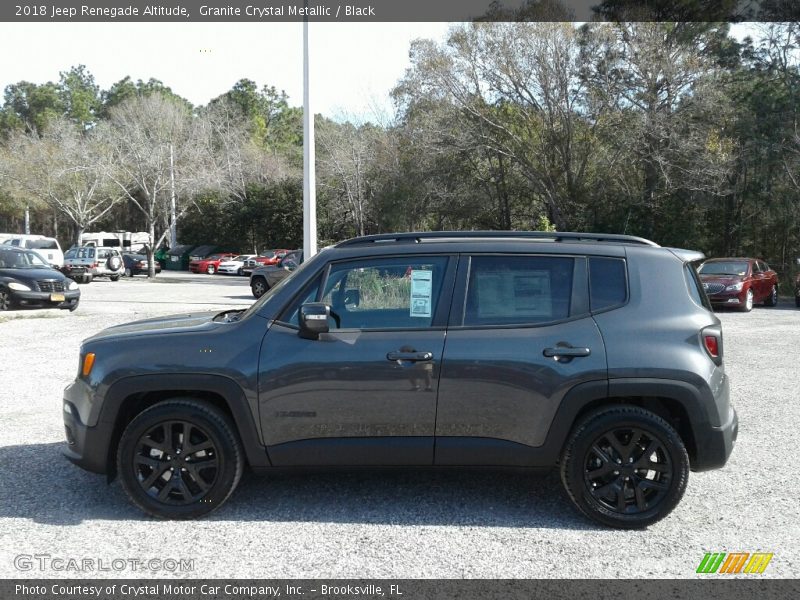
739 282
209 264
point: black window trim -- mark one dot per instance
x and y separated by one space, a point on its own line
440 317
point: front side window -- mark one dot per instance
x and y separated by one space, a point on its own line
518 290
390 293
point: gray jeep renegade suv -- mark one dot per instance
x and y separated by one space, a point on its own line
598 354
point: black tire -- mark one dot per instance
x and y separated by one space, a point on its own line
239 272
211 269
114 277
128 272
602 467
6 301
772 299
748 303
259 286
85 279
151 447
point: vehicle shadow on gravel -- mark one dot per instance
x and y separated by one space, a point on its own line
38 483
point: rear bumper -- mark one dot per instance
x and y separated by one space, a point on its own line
715 444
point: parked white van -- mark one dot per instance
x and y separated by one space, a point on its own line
48 248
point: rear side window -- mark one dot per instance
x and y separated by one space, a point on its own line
518 290
607 282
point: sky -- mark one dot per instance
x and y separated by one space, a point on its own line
353 66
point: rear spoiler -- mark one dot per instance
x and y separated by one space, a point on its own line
690 256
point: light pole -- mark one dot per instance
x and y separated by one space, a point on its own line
309 179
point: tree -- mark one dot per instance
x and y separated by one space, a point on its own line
63 168
157 151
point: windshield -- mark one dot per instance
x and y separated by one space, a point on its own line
267 255
737 267
11 259
256 306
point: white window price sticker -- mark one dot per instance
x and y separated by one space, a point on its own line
421 293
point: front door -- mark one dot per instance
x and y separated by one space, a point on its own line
365 393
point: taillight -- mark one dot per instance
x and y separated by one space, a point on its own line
712 342
712 345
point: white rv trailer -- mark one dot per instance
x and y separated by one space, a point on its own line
123 240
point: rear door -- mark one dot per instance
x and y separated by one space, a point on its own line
520 336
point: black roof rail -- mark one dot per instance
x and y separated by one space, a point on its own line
557 236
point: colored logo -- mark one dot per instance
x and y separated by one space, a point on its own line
734 562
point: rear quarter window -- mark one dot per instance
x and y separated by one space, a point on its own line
608 282
695 287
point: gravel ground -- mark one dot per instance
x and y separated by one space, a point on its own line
405 524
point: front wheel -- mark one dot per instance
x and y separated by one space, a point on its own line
211 269
625 467
180 459
748 301
6 302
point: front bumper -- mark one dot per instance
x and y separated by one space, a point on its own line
47 299
87 446
729 298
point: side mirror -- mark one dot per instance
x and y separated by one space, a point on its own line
314 320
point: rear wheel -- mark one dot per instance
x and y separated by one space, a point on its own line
180 459
625 467
114 277
128 272
772 299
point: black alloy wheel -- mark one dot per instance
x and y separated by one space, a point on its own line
625 467
180 459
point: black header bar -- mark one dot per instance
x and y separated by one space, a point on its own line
368 11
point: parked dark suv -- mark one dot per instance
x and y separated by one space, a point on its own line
598 354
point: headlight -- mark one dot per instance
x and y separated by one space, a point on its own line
19 287
736 287
72 285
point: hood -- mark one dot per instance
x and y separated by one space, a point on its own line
32 274
181 323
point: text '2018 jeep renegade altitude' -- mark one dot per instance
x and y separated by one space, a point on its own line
595 353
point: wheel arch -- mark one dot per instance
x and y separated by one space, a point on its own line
674 401
129 396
